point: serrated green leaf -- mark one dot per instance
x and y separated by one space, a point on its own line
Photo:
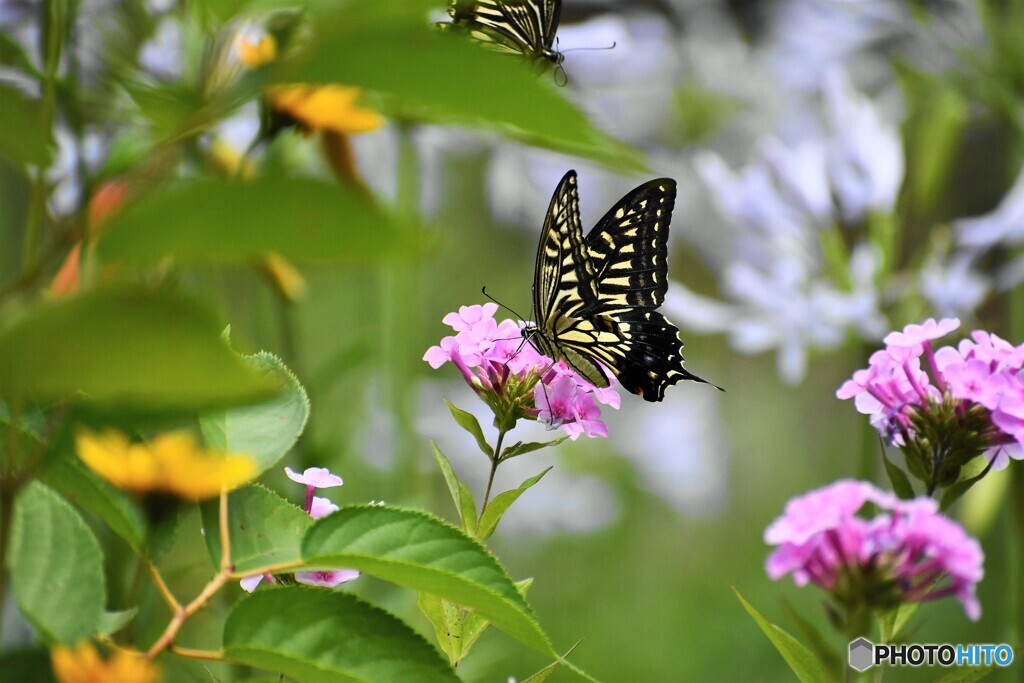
112 622
413 549
469 422
474 625
316 635
69 476
265 431
446 618
501 503
265 529
163 533
23 136
520 448
212 222
409 65
131 349
801 660
56 566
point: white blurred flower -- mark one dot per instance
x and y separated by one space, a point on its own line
679 449
865 155
64 173
626 90
163 55
809 37
952 286
1004 225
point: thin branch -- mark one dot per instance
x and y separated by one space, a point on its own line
162 585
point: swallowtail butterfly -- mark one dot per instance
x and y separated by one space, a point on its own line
595 298
524 27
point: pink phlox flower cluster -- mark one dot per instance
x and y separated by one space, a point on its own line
489 354
317 507
984 370
821 540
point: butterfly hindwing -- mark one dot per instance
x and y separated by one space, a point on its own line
595 299
526 27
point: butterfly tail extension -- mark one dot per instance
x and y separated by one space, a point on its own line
655 360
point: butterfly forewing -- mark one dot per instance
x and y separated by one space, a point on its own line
526 27
629 248
595 299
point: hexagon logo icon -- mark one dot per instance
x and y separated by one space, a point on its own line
862 654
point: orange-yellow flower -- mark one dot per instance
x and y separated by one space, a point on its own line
83 664
324 108
172 463
255 53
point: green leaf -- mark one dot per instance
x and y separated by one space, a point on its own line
897 477
446 618
969 674
411 67
461 495
818 643
112 622
413 549
13 54
312 634
469 422
23 136
474 625
265 431
497 507
264 528
954 492
543 674
801 660
519 448
56 566
69 476
27 665
122 348
219 222
899 618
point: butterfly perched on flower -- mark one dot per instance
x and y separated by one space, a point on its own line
595 299
523 27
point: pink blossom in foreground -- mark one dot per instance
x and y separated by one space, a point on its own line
514 379
908 552
317 507
329 579
909 381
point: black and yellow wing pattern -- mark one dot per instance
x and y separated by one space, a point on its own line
595 298
524 27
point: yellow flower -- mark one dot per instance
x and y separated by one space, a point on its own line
255 53
172 463
324 108
83 664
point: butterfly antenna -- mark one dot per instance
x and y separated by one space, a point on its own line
579 49
484 290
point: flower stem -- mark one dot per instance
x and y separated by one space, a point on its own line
495 461
54 17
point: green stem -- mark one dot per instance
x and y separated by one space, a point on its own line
53 40
495 461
